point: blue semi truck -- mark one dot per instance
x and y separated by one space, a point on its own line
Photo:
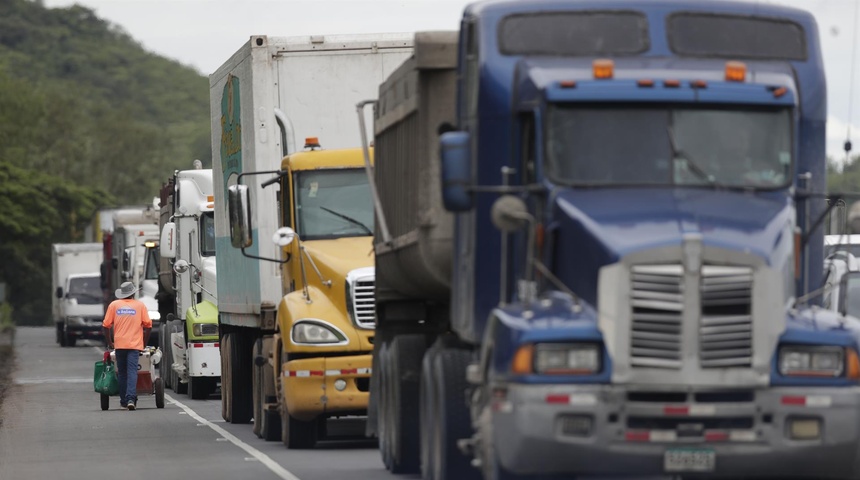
619 281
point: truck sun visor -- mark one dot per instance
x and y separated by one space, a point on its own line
574 34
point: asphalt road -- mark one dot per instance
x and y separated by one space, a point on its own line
52 427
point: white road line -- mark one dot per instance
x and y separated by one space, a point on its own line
278 470
41 381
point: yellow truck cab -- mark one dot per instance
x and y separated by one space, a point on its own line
326 317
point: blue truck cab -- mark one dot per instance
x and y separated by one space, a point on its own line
657 170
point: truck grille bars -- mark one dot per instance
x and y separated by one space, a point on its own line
662 309
363 302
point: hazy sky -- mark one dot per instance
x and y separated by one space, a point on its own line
204 33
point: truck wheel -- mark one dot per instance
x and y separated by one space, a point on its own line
159 393
198 388
239 385
270 427
105 401
71 340
257 388
297 434
399 409
61 337
452 418
426 409
380 371
226 346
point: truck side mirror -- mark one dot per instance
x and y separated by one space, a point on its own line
849 294
59 292
167 245
239 210
456 171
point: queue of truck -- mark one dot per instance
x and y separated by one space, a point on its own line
575 237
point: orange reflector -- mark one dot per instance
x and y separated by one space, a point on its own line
645 82
140 234
603 68
852 364
699 84
671 83
210 198
567 84
210 205
540 234
523 360
312 142
736 71
780 92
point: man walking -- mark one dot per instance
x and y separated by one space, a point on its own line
131 329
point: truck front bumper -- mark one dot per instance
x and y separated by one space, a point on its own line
85 327
326 386
608 430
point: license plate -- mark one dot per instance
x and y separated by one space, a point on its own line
689 460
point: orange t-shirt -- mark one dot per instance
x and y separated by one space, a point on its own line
128 318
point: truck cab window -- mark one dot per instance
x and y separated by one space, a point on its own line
85 290
152 259
207 234
527 145
652 145
472 80
333 203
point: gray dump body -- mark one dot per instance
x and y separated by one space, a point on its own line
415 100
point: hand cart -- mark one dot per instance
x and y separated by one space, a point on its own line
148 380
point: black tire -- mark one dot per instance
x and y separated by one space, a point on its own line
199 388
426 409
226 381
452 418
270 430
400 408
270 427
71 340
105 401
239 390
61 337
383 379
159 392
257 389
297 434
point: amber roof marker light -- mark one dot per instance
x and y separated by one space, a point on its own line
736 71
603 68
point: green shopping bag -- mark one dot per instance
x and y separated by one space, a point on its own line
104 378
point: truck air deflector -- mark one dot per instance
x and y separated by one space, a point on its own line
629 90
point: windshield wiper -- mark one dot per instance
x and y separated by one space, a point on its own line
348 219
678 154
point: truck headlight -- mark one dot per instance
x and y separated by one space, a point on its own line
154 315
315 333
558 359
78 321
204 329
818 361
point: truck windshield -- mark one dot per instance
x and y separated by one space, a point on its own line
333 203
86 290
151 269
207 234
663 145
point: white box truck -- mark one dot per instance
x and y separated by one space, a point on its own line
77 297
274 95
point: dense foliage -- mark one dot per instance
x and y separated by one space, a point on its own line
88 118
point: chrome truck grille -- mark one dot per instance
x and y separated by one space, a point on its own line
723 315
361 297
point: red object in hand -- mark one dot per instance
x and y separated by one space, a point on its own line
106 357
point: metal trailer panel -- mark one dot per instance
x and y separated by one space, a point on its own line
418 98
68 259
315 82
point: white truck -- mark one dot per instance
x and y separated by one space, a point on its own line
271 92
130 244
190 336
77 299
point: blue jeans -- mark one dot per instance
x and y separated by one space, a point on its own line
126 371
